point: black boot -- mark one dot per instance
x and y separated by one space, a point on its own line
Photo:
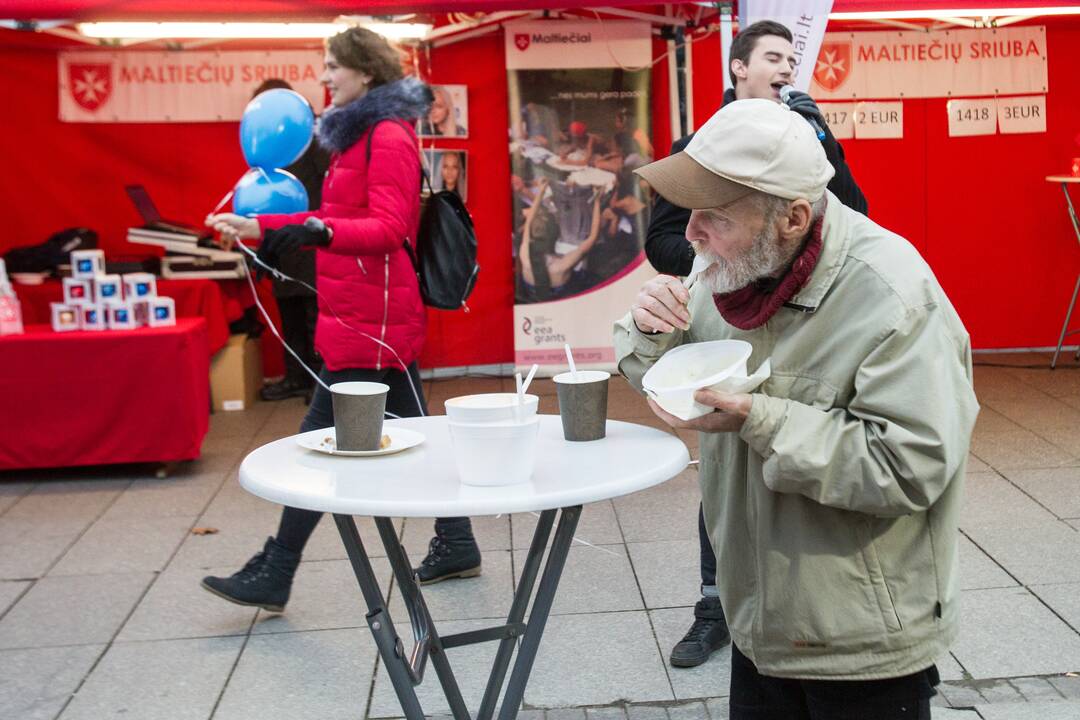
265 581
287 388
449 558
708 633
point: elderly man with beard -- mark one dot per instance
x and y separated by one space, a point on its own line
831 495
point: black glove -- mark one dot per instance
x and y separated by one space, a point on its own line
803 104
287 239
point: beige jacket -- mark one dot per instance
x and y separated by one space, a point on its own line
833 511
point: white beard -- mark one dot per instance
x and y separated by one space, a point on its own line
764 258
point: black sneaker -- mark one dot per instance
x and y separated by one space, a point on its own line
265 581
287 388
449 559
708 634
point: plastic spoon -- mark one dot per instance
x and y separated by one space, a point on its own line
528 379
700 264
570 359
520 397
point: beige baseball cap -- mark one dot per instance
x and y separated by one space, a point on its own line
747 145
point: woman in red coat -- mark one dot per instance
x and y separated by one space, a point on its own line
370 209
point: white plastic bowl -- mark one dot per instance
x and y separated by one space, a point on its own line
672 381
495 454
490 408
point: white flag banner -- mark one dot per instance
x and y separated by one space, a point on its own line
806 19
138 86
879 120
972 117
953 63
840 117
1022 114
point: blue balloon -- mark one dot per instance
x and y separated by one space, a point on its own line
262 192
276 128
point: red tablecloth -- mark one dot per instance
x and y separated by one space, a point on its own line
92 398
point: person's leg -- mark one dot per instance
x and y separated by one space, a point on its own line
311 316
709 631
901 698
756 697
296 382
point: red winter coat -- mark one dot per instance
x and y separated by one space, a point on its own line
365 275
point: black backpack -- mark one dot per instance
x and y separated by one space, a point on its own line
51 253
445 255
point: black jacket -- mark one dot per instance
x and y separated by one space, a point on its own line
666 245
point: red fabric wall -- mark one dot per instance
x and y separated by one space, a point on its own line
978 208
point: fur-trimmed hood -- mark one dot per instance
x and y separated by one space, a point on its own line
407 99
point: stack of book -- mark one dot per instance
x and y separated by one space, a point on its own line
189 256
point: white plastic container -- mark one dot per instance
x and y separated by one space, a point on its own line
65 317
160 312
716 365
87 264
108 289
495 454
92 317
78 291
490 408
121 316
139 286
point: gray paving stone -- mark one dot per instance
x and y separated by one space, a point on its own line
30 554
1036 643
183 496
324 674
492 533
718 708
998 691
10 591
1063 710
711 680
949 669
37 682
79 609
325 596
66 506
565 714
487 596
110 546
595 579
1068 686
1055 488
646 712
175 679
1020 449
991 501
665 512
959 695
1046 554
1064 599
954 714
608 713
12 492
975 465
978 570
1036 689
623 662
992 421
597 526
669 572
689 711
176 607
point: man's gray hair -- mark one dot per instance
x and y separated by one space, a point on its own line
771 206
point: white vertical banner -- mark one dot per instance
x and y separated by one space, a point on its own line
972 117
879 120
1022 114
840 117
806 19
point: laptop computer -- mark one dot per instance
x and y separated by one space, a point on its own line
152 219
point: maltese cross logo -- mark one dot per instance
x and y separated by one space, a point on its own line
833 65
521 41
90 84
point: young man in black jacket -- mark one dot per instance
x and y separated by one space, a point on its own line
762 62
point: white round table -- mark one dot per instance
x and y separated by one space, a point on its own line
423 482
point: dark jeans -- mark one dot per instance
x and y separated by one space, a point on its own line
297 525
298 315
708 557
758 697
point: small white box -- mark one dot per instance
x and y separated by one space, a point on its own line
65 317
87 263
139 286
160 312
108 289
92 317
78 291
121 316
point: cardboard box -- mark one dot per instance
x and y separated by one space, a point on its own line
78 291
139 286
121 316
92 317
160 312
65 317
236 374
108 289
87 263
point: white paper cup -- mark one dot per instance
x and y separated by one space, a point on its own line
495 453
358 414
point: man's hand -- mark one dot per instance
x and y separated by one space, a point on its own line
660 305
730 413
803 104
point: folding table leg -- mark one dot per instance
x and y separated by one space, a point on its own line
378 617
1065 326
545 596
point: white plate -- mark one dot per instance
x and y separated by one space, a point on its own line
323 441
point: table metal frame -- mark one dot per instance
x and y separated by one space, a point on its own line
406 670
1065 332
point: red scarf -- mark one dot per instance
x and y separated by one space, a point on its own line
752 306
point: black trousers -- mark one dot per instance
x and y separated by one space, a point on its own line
708 557
298 316
298 525
758 697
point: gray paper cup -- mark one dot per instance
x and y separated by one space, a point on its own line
358 414
583 404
